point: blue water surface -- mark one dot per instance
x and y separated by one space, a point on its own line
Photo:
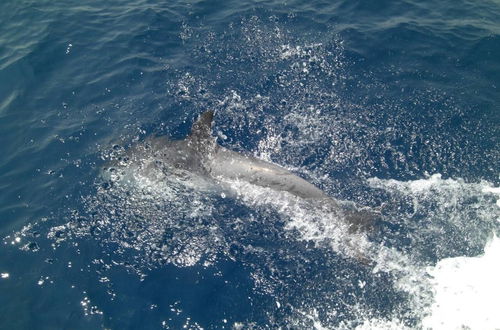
340 92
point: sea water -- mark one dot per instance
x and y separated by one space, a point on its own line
391 106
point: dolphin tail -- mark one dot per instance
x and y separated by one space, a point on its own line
358 219
362 220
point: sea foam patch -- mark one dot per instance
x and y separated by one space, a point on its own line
453 218
466 291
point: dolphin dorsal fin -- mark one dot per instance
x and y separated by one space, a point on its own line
201 138
202 128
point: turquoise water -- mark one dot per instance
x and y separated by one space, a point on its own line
391 105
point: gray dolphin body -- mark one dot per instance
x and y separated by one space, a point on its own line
199 155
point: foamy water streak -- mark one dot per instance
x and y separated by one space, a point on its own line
466 291
465 214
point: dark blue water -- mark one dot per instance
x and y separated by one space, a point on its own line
390 105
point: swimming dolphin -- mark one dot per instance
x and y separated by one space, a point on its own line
200 155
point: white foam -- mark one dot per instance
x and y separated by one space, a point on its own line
382 325
322 227
493 190
453 215
467 291
459 292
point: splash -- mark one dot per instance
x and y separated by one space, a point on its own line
285 98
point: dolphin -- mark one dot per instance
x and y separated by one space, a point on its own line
200 156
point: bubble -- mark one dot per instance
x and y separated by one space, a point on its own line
33 247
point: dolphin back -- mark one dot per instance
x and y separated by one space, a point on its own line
235 166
